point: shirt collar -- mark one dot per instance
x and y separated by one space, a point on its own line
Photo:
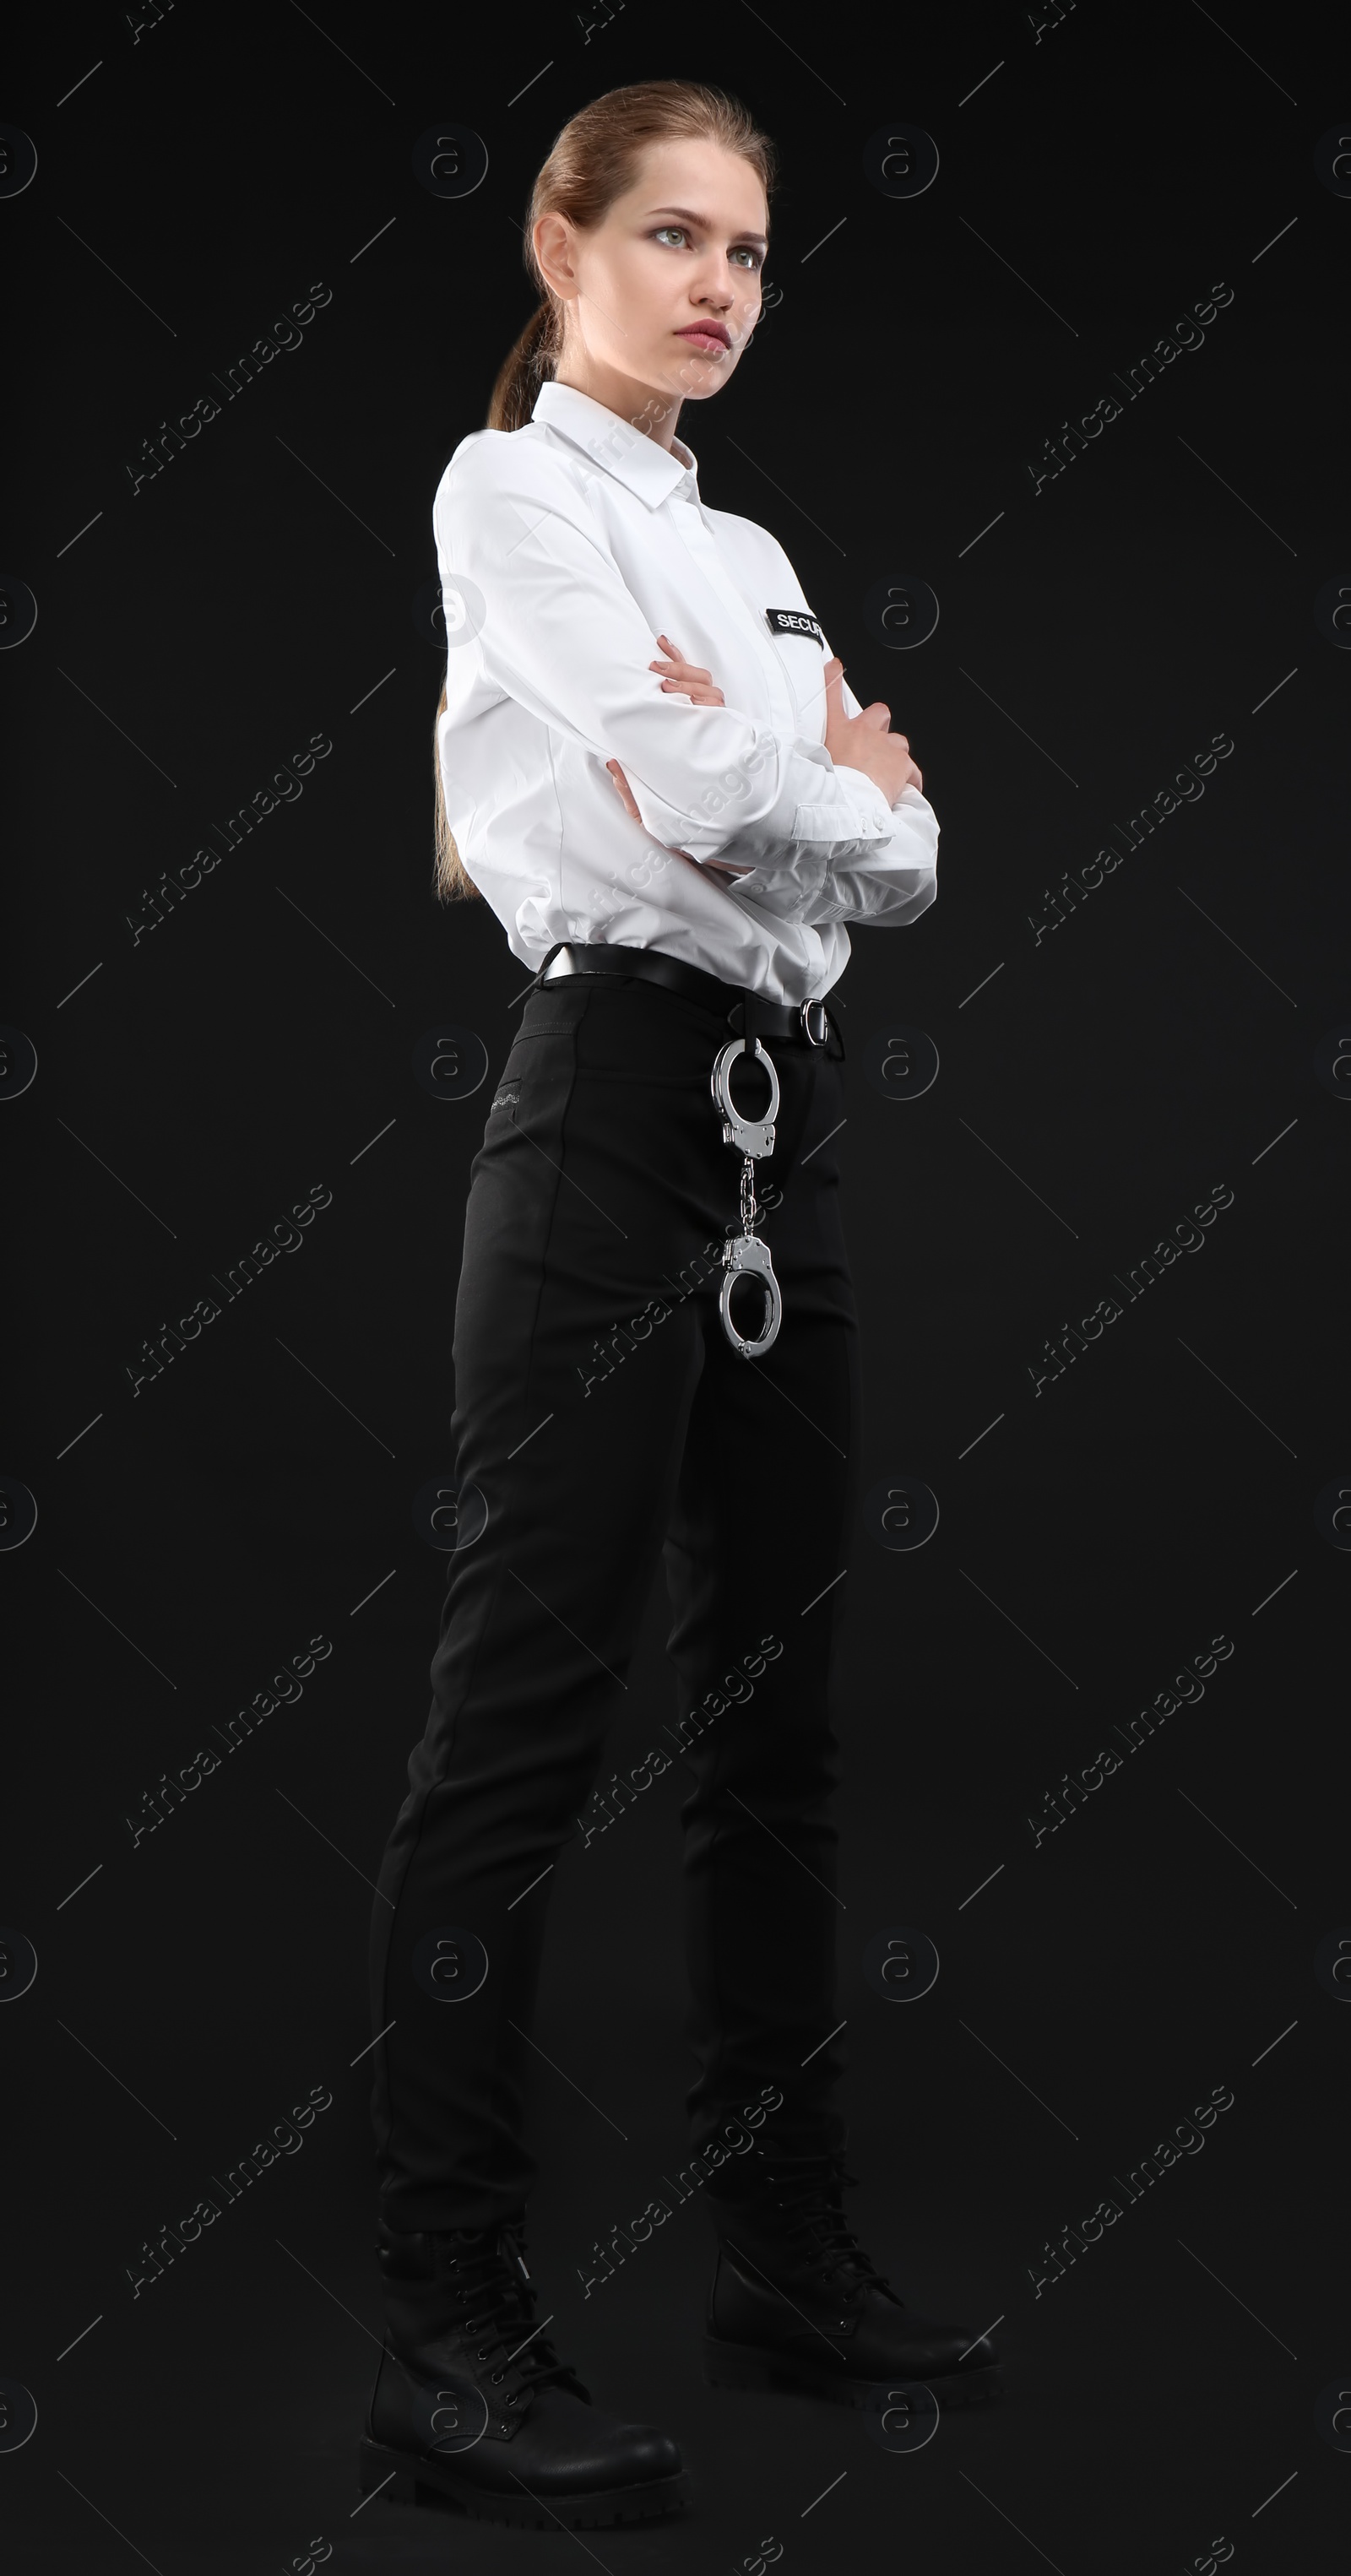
651 472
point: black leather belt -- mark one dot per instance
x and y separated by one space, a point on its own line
749 1014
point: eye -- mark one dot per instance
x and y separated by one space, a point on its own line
755 257
664 231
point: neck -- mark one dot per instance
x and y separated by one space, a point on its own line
644 407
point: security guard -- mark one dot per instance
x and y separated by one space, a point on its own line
652 770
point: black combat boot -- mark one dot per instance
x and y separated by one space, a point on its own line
796 2303
471 2401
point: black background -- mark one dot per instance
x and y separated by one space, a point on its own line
1162 1041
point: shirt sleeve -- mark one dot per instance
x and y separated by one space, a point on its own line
891 882
559 630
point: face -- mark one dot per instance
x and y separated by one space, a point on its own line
663 295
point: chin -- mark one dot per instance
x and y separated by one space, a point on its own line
706 376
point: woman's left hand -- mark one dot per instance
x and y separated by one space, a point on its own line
686 678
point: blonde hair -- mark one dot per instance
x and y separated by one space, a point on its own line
593 161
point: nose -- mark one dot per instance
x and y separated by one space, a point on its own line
724 285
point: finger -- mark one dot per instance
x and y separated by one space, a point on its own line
878 716
693 684
683 675
836 718
623 790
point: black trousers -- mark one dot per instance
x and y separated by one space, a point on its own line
605 1421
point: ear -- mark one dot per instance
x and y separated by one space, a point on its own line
553 242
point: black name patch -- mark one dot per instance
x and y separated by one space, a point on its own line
794 621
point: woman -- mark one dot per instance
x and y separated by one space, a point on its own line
677 853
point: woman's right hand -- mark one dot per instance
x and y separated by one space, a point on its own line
865 741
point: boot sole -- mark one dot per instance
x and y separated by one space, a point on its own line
428 2480
749 2365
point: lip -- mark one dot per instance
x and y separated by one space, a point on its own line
712 331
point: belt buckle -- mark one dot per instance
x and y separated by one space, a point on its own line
814 1029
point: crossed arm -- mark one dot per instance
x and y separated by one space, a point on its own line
864 741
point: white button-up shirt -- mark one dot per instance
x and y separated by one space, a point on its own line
565 549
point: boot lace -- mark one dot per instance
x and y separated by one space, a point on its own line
811 2198
499 2302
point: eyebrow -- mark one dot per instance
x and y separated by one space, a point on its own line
704 224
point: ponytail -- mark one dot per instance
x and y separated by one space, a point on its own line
530 364
453 881
593 161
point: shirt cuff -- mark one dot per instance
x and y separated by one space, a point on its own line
867 815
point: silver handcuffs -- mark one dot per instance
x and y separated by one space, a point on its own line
744 1255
